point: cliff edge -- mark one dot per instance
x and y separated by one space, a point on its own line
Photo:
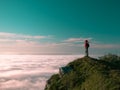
88 74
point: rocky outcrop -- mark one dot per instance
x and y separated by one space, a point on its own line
86 74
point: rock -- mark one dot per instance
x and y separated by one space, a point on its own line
87 74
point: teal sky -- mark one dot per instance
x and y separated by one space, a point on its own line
64 19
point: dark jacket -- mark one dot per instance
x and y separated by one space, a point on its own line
86 44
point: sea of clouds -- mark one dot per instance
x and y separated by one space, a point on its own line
30 72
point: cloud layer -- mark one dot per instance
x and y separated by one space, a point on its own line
29 72
77 39
11 43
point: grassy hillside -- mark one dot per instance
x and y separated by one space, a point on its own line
89 74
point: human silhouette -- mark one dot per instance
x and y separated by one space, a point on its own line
86 48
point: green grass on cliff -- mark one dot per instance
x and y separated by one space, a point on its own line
89 74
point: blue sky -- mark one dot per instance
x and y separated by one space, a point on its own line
59 26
